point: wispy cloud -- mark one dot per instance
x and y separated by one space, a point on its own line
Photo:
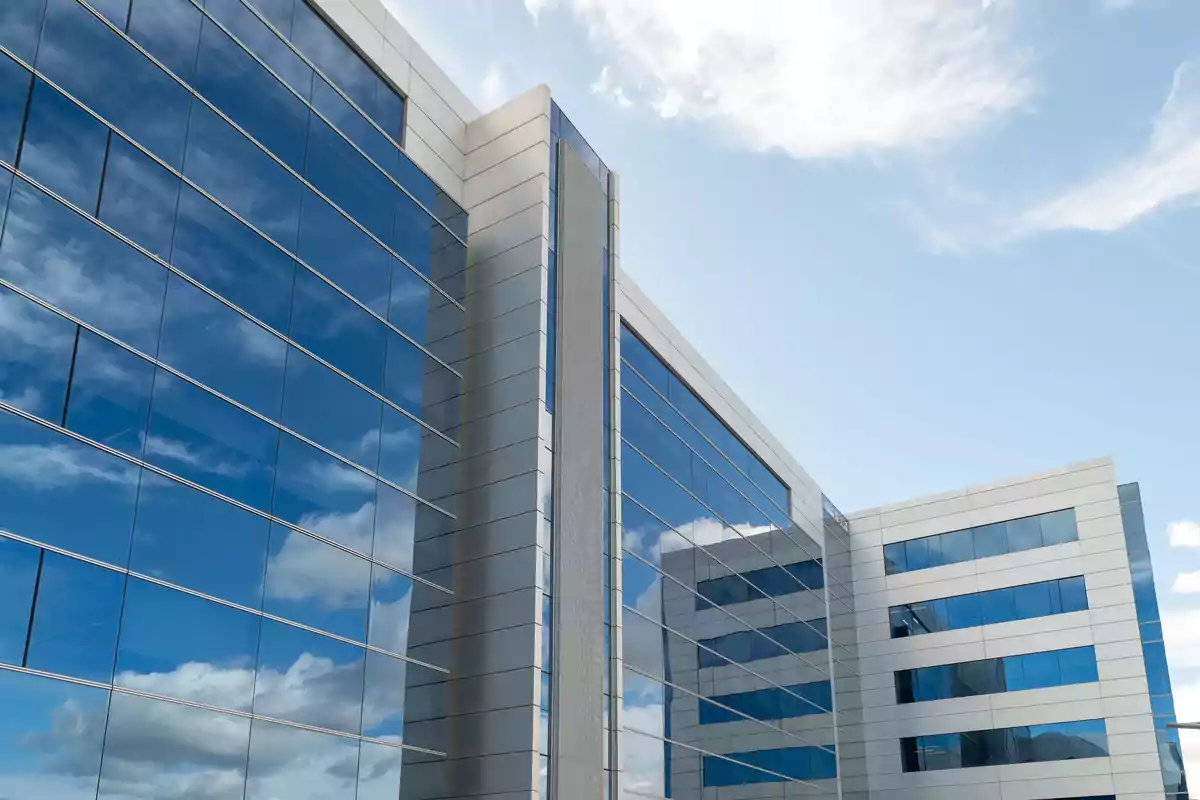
1164 173
1187 583
493 89
604 86
815 79
1184 533
534 7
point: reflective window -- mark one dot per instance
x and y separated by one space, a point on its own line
93 64
139 197
317 584
383 698
20 22
401 444
192 539
988 608
157 749
263 42
52 735
336 248
169 30
206 440
1027 533
768 582
800 700
321 494
278 754
63 147
235 262
744 646
38 347
230 79
349 180
54 253
214 344
311 390
177 645
233 170
333 327
379 771
396 520
110 394
64 493
75 619
413 235
308 678
774 766
19 564
354 125
14 94
391 605
1058 741
115 11
997 675
420 385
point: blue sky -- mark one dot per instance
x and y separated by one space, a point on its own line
930 244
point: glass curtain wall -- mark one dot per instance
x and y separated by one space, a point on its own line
228 404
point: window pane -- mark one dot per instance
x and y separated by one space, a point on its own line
1073 593
67 261
139 197
342 116
177 645
894 558
20 21
964 611
1078 665
957 546
916 554
64 147
186 537
277 12
313 37
990 540
395 526
401 446
75 620
169 30
58 491
337 330
1014 674
1041 670
349 180
14 94
414 233
379 769
978 677
317 584
421 386
278 754
210 342
158 749
1059 527
311 390
37 346
18 575
232 260
383 701
999 605
234 82
232 169
52 735
333 246
115 11
80 53
391 603
206 440
262 41
1033 600
1024 534
308 678
110 394
321 494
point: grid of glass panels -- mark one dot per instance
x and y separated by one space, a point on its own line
697 503
1057 741
997 675
998 538
226 411
1042 599
1158 675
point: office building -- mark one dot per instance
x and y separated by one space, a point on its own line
341 459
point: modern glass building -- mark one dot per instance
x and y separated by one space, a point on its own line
339 458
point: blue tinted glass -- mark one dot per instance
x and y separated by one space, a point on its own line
353 125
110 394
313 37
391 601
413 237
186 537
71 263
1041 670
1157 674
1059 527
337 330
1024 534
317 584
75 619
395 526
139 198
37 347
379 769
169 30
263 42
52 734
957 546
649 435
153 746
20 22
63 147
308 678
115 11
999 605
916 554
1014 674
232 169
415 309
933 683
1078 665
179 645
646 363
232 260
383 699
930 616
1074 594
389 112
349 180
18 576
206 440
234 82
311 390
990 540
1033 600
400 452
324 495
894 558
332 245
277 12
964 611
210 342
14 94
278 753
93 64
64 493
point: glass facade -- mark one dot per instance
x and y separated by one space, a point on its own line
954 547
229 310
997 675
709 551
1028 601
1158 675
1057 741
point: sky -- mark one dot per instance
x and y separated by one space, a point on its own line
930 243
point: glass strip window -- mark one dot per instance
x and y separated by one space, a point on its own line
1057 741
997 675
1028 601
982 541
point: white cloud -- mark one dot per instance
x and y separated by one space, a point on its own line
1164 173
1187 583
1184 533
815 79
603 86
207 459
493 89
307 569
1181 632
42 467
534 7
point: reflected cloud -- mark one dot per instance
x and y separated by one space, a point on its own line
194 457
303 569
47 467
